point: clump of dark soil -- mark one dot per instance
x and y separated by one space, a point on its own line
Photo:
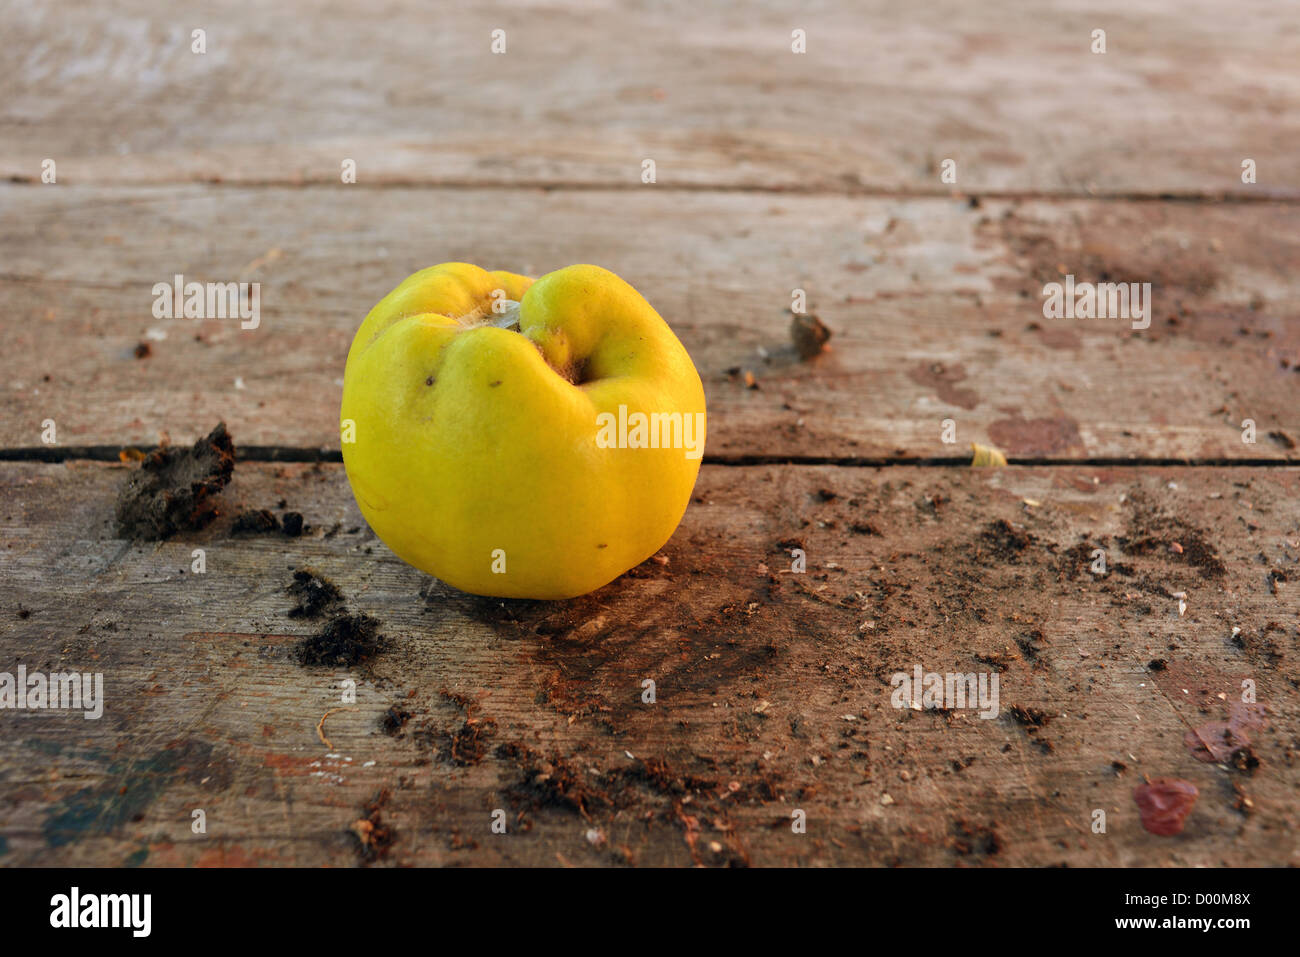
1262 643
1151 532
809 335
467 745
176 489
314 593
554 782
394 720
372 836
975 839
1031 718
256 521
1033 721
662 778
1078 560
345 641
262 521
1004 540
1031 644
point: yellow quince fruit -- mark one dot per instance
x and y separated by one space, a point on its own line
520 438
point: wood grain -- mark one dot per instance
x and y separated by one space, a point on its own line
936 308
773 689
586 91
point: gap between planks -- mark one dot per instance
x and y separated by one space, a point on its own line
275 453
1278 196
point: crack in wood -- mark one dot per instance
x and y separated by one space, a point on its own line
281 453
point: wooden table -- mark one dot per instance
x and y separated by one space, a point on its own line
775 171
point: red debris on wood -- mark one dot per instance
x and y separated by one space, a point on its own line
1164 804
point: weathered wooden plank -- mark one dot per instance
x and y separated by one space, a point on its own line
936 308
773 689
716 97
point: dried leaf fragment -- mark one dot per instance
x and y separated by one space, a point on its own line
986 456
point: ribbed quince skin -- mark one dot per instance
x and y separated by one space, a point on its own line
520 438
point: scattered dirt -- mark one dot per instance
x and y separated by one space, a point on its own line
262 521
777 671
1033 721
467 745
1151 531
1091 252
975 839
255 521
554 782
1264 643
394 720
1282 439
175 489
1030 718
1004 540
662 792
314 593
1030 644
571 698
345 641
